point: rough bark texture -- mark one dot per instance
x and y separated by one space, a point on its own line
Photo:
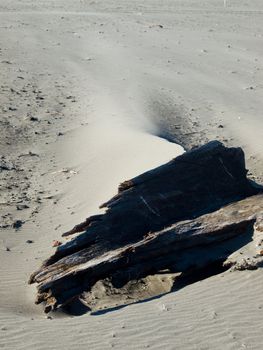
162 219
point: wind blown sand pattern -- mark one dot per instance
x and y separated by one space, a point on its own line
91 94
194 317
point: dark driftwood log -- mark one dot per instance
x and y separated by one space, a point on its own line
143 229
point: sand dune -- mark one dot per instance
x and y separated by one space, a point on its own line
91 94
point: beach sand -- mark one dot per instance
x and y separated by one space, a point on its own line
96 92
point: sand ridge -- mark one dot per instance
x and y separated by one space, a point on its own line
90 91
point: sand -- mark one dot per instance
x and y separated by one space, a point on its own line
92 93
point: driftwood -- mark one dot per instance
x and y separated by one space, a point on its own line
178 216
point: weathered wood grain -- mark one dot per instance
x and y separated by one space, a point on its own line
154 221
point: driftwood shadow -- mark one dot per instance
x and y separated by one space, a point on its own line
213 264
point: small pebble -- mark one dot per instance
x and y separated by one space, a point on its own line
22 206
29 241
34 119
18 224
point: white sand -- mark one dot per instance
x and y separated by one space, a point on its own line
127 76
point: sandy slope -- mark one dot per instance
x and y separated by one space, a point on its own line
86 89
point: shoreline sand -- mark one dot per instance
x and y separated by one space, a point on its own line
90 93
